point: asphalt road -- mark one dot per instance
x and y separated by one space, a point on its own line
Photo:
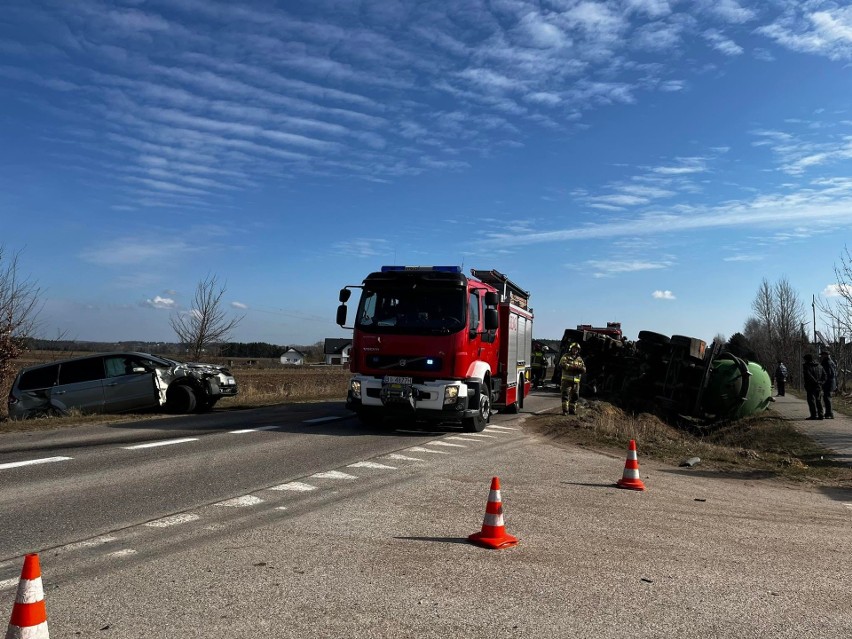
372 543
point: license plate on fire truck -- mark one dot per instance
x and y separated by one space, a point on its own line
396 379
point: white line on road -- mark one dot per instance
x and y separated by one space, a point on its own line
122 553
420 449
241 502
252 430
332 474
319 420
296 486
403 457
30 462
478 435
490 426
172 520
167 442
440 443
89 543
461 439
367 464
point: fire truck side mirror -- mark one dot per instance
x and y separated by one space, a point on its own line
345 293
491 319
492 299
341 314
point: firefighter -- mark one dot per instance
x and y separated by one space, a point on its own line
573 367
536 365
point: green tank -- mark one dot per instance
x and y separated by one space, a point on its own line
736 388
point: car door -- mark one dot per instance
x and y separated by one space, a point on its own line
128 385
80 385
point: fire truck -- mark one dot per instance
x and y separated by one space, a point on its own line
431 344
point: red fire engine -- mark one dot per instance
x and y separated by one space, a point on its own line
431 344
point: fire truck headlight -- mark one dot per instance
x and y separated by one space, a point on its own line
355 388
451 394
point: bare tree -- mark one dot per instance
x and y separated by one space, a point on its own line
839 306
206 323
774 331
20 303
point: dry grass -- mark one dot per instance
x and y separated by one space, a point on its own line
765 444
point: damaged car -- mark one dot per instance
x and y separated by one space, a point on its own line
117 383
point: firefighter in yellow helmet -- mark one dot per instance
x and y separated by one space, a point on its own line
573 367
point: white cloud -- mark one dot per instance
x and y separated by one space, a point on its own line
827 32
239 305
161 303
838 290
607 268
721 43
663 295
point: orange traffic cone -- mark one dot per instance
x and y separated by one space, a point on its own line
29 615
493 534
630 479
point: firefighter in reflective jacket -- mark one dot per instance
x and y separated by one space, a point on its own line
573 367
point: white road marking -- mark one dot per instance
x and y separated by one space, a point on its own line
8 583
30 462
437 442
478 435
281 508
240 502
319 420
295 486
167 442
461 439
332 474
420 449
172 520
125 552
367 464
402 457
490 426
90 543
253 430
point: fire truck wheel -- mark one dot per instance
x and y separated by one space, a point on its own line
478 423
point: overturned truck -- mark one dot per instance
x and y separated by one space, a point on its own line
677 377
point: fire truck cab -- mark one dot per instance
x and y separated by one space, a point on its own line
431 344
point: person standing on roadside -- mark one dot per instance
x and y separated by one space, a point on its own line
814 377
573 367
830 384
780 378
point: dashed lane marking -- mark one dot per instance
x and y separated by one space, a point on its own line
30 462
253 430
296 486
124 552
173 520
240 502
399 457
90 543
438 442
332 474
367 464
420 449
167 442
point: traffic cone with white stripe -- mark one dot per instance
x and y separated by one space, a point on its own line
29 615
493 534
630 478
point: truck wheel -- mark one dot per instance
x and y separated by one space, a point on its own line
649 337
180 399
478 422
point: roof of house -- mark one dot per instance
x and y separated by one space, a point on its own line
293 350
335 345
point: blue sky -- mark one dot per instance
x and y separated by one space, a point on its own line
641 161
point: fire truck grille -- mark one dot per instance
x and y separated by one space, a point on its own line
413 363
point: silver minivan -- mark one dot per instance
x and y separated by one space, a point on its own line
116 383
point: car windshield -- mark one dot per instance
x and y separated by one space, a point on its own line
414 309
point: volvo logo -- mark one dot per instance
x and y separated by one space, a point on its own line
403 363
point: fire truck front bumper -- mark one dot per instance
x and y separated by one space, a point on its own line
438 400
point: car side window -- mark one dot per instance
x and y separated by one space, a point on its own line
81 370
117 366
43 377
474 312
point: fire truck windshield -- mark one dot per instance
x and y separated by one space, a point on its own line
416 309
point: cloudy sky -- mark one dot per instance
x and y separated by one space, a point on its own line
642 161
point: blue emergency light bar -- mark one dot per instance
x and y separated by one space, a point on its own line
443 269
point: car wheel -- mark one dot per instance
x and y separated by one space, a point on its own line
180 399
206 404
478 422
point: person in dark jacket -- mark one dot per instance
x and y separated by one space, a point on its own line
830 384
814 377
780 377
